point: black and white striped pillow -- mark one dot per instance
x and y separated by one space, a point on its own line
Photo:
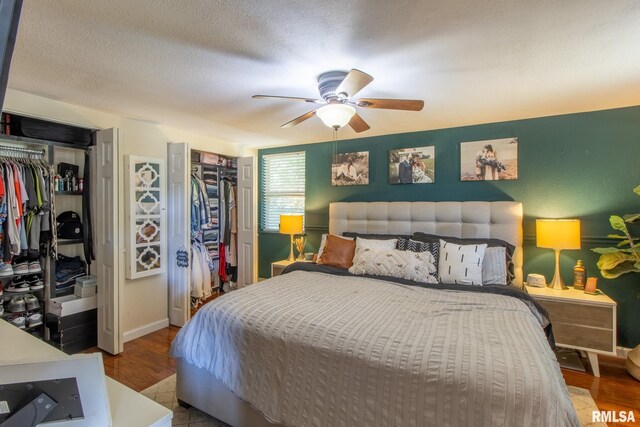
416 246
461 264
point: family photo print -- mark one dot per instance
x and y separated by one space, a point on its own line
350 169
412 165
490 160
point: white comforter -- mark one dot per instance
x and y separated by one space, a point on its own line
312 349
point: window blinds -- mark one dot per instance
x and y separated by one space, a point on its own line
283 183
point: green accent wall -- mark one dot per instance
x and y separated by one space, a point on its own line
581 165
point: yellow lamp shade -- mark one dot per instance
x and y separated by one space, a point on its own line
291 224
558 233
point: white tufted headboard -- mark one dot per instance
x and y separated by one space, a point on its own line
500 220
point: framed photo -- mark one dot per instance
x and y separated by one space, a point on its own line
489 160
412 165
76 385
350 169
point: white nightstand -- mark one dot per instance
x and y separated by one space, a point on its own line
580 321
278 266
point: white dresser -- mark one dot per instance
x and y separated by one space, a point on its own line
128 408
580 321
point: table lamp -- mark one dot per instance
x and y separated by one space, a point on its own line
558 234
291 224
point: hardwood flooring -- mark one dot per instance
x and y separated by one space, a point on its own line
146 360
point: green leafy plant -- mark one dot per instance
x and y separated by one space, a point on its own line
625 256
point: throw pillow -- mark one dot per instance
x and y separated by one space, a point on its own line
371 244
494 266
416 266
490 242
323 241
338 252
417 246
373 236
461 264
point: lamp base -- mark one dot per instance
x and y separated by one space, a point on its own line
557 283
291 256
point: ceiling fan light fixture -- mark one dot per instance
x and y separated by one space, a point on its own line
336 115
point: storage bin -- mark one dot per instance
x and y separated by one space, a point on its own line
71 304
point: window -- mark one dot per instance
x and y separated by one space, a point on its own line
283 180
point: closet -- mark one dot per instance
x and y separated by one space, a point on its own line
212 212
51 240
71 323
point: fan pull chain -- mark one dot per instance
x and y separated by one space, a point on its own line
335 145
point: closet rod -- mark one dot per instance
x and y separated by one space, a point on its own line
22 150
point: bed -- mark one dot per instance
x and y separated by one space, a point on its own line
315 348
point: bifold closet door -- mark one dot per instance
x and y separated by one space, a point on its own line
247 218
108 231
179 229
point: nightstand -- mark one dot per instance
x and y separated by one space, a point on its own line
580 321
278 266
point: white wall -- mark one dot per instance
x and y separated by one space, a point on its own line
145 300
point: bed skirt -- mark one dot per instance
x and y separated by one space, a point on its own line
199 388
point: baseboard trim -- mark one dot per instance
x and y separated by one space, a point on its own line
144 330
622 352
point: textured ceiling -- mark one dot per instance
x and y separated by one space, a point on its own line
196 63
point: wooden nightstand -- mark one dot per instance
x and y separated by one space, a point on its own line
580 321
278 266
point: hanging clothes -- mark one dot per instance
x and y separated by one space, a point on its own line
200 208
201 266
228 230
25 206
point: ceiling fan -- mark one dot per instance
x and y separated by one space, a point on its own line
337 89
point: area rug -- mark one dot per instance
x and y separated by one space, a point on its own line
164 393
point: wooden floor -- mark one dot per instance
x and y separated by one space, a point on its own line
146 361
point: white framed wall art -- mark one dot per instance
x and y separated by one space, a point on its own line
146 223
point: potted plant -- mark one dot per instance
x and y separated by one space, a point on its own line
621 259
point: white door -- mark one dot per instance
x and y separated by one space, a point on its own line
179 232
107 230
247 218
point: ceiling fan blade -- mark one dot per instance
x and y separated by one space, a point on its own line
391 104
353 83
299 120
291 98
358 124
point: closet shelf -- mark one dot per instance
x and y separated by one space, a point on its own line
26 140
215 166
20 275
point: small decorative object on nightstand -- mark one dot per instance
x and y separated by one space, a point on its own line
580 321
579 276
558 234
300 240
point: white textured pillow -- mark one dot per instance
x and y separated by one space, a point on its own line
375 244
416 266
494 266
323 241
461 264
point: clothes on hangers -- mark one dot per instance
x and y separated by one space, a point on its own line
200 208
228 230
25 206
201 267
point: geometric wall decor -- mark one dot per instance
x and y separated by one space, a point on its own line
146 223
